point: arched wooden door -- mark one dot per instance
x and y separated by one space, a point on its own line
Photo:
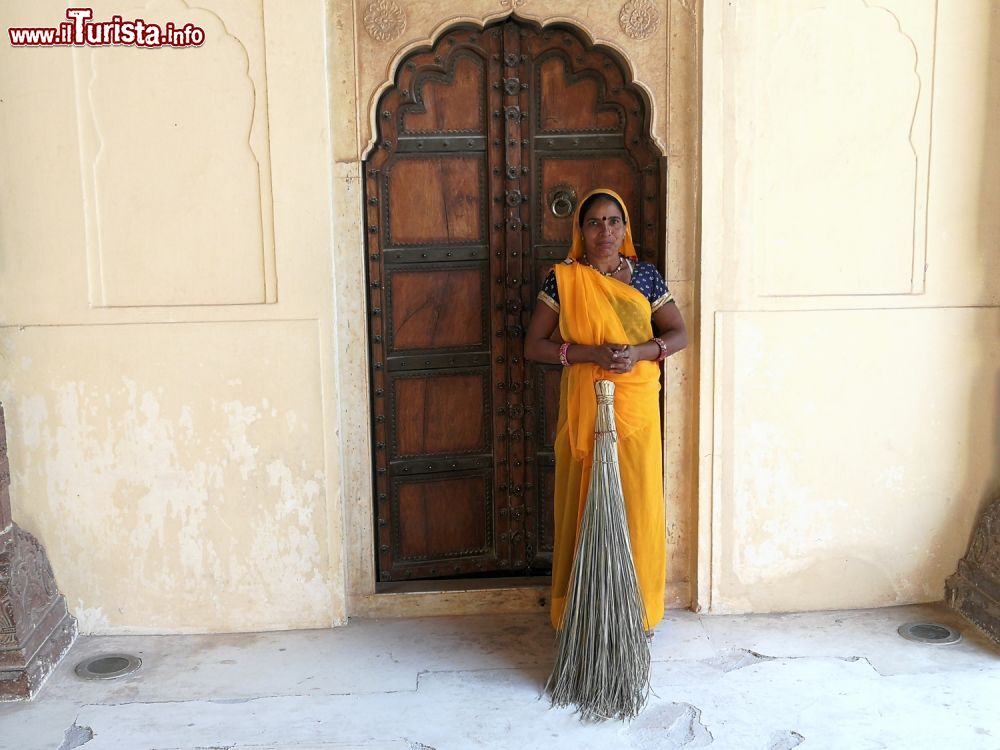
484 145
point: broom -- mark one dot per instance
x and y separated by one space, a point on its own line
602 655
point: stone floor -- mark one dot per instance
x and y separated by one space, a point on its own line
841 680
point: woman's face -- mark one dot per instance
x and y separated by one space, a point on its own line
603 228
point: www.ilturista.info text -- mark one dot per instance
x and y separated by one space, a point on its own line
81 31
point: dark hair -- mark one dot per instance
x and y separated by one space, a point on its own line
591 200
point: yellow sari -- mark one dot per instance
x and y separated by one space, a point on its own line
595 309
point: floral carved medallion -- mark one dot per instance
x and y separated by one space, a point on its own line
639 19
512 3
384 20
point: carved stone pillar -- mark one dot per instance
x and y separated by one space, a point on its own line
36 629
974 590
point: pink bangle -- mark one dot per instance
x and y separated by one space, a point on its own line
562 354
663 349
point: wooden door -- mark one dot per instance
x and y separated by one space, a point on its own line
485 143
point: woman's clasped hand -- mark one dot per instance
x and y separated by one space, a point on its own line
614 357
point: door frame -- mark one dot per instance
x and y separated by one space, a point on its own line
666 66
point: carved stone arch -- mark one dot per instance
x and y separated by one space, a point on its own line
655 108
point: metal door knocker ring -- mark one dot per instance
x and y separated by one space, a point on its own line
562 201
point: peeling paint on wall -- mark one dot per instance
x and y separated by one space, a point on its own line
174 497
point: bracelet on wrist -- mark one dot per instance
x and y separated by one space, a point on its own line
563 350
663 348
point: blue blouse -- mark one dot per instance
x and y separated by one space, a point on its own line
645 278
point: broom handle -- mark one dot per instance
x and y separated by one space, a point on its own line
604 422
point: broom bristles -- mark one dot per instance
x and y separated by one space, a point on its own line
602 655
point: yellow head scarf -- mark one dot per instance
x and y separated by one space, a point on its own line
577 247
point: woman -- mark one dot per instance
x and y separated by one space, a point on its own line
603 305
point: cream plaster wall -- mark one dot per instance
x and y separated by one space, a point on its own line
167 328
850 310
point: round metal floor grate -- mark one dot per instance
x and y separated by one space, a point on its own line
108 666
929 632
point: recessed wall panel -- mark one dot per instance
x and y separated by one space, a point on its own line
177 175
841 148
855 449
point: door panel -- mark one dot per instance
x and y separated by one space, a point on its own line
546 517
442 524
453 100
485 142
437 307
559 86
425 417
435 200
440 518
548 405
